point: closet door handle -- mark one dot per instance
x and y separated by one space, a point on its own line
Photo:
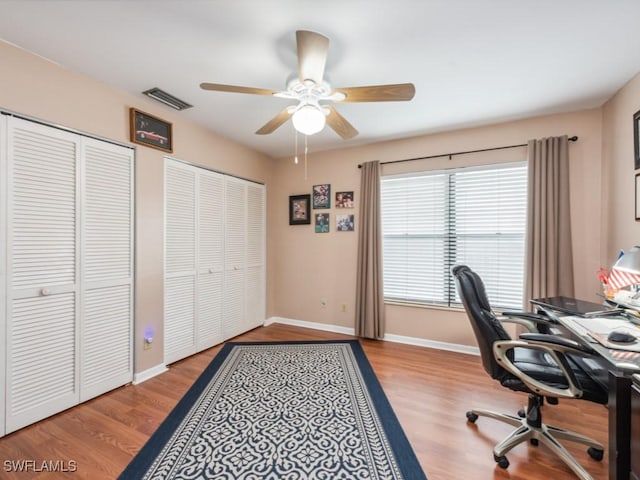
44 292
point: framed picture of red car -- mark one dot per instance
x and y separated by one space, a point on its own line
150 131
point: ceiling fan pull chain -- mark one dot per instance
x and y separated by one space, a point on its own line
295 158
306 149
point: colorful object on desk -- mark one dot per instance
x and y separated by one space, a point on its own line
626 270
603 275
619 279
625 355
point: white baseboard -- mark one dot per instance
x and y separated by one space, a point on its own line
149 373
316 326
421 342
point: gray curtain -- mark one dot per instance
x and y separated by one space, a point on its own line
369 322
549 258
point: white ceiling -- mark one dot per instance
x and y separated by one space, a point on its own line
473 62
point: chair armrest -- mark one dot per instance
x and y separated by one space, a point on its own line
572 345
557 351
535 317
531 321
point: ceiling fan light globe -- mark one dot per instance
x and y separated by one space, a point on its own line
308 120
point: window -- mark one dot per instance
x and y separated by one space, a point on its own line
434 220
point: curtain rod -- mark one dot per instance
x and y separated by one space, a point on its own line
571 139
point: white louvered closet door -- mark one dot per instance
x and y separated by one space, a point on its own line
235 258
107 276
180 261
3 264
42 273
256 267
210 246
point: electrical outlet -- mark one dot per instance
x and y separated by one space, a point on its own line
323 303
147 343
343 307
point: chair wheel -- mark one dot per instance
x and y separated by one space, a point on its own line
522 413
471 417
501 461
596 453
552 401
534 442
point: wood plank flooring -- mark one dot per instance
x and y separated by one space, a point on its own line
430 391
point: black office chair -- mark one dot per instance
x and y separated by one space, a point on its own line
537 364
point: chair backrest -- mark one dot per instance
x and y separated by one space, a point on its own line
486 327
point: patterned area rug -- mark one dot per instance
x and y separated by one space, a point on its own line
294 410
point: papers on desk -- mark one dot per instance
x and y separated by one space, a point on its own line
603 325
598 328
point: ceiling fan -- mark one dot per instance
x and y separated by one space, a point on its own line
309 89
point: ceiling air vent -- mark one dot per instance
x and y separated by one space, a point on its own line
166 98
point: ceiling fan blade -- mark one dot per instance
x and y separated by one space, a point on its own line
312 55
275 122
340 124
400 92
219 87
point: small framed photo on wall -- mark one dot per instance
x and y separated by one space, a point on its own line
322 222
150 131
345 223
322 196
344 199
299 213
636 141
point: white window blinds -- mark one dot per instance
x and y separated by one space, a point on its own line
434 220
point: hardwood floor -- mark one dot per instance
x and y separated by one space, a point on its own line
430 391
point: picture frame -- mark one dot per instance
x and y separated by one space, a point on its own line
150 131
636 140
322 222
322 196
299 211
344 199
345 223
637 197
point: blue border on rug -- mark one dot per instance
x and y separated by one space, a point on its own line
405 456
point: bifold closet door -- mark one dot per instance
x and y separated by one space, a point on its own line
3 266
69 268
107 268
235 271
194 263
244 286
42 273
210 259
256 263
180 261
214 258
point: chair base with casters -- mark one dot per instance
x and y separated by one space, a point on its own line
537 364
531 429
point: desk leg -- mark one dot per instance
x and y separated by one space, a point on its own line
619 426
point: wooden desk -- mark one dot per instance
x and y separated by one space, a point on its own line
635 428
621 367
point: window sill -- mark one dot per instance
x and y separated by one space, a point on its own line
428 306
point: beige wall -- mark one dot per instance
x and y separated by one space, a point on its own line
304 267
35 87
620 231
312 266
